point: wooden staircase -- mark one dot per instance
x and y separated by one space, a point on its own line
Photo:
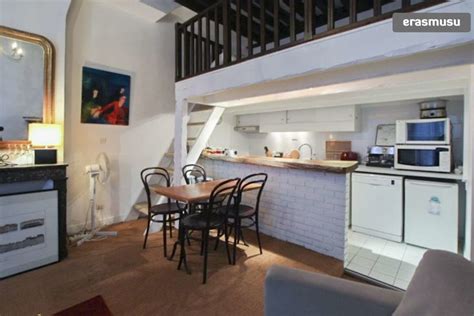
195 127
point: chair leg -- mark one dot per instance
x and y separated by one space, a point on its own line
217 239
258 235
171 226
182 256
202 242
236 237
206 242
147 230
164 234
226 238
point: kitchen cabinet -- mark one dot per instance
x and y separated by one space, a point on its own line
273 118
248 120
330 119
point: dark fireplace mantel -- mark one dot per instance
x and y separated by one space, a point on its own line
55 173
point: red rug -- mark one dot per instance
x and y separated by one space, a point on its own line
93 307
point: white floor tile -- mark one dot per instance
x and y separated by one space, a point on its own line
385 269
386 261
401 284
393 253
405 275
363 262
382 277
389 261
368 253
358 268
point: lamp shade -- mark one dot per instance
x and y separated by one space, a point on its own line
44 134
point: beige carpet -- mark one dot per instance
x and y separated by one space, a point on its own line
134 281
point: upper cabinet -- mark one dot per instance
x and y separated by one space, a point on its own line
330 119
273 118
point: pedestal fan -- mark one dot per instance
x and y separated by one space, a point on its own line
97 172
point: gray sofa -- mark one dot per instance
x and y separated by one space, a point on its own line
443 284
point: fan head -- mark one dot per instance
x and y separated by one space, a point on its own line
104 164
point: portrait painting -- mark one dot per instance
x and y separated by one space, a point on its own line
105 97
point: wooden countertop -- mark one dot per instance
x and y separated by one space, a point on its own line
335 166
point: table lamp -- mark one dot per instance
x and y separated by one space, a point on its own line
46 136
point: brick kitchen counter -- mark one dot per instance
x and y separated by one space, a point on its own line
336 166
304 202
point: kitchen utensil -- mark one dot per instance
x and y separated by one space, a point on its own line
349 155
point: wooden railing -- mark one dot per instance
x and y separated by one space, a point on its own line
233 31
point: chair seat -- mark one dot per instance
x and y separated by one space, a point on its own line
198 221
165 208
242 211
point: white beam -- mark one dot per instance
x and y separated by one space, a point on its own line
205 134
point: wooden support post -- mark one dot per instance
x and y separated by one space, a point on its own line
263 46
276 23
330 14
178 51
308 19
249 28
238 30
377 7
353 11
227 35
292 21
207 52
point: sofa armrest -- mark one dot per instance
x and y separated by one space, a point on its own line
295 292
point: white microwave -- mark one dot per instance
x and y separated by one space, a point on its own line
423 132
435 158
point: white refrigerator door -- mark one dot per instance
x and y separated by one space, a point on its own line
431 214
377 205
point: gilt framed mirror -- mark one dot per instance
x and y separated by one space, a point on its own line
26 83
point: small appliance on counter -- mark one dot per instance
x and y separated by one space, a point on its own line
424 145
381 156
349 155
433 109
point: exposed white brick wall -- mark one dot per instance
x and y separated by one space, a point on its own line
308 208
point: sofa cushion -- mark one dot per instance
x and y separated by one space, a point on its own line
443 284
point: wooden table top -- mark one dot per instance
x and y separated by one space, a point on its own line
192 193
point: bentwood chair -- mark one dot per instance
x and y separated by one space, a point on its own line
240 212
193 173
213 217
165 213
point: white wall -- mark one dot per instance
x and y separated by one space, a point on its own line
104 37
370 116
46 18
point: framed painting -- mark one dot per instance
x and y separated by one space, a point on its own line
105 97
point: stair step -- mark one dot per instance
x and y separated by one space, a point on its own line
141 207
196 123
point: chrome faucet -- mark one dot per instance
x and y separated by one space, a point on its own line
310 148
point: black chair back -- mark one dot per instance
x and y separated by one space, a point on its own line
217 200
193 171
154 176
250 180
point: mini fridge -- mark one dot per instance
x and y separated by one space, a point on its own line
431 214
